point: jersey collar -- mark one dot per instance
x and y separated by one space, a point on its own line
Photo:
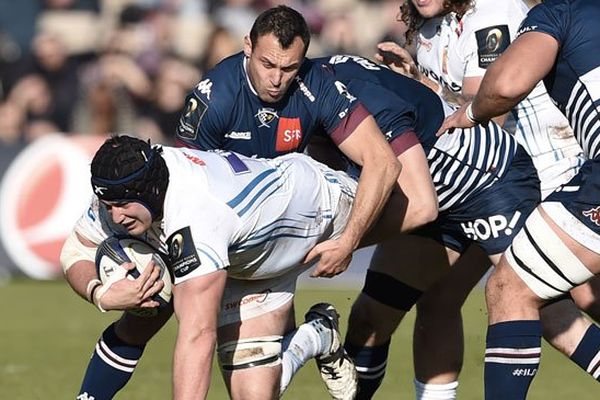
244 64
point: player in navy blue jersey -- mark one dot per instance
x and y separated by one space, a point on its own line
559 247
474 168
262 102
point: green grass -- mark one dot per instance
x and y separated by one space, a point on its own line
47 335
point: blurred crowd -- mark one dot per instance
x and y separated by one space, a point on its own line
99 66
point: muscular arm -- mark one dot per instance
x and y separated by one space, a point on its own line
197 303
413 203
367 147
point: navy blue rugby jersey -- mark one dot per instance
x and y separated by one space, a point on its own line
224 112
404 109
574 81
462 164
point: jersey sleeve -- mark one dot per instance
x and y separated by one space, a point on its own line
547 18
340 111
202 123
198 242
486 35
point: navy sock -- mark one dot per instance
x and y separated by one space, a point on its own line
587 353
512 358
110 368
370 364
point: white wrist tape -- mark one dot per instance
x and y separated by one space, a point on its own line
470 116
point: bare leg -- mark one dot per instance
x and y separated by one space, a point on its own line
438 331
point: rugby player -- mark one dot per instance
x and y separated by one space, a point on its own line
234 228
455 42
558 248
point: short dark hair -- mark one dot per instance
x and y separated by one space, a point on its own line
283 22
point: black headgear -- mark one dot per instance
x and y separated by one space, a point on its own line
129 169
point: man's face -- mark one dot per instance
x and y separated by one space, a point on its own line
429 8
132 215
271 68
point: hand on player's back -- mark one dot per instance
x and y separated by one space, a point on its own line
335 256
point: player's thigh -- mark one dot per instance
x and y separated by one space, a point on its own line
254 317
414 260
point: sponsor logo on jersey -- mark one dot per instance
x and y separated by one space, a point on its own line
265 116
182 252
304 89
189 122
426 44
239 135
491 42
196 160
289 134
491 227
343 90
593 215
252 298
452 86
205 87
526 29
363 62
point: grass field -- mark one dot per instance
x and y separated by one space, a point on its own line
47 335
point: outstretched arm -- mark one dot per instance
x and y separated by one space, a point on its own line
197 303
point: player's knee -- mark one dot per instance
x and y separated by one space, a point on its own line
437 305
264 351
390 292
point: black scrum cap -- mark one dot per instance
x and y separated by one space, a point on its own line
128 169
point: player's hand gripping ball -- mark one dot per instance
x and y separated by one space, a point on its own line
114 251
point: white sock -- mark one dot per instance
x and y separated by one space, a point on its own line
298 347
432 391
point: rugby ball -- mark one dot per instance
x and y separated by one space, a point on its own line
114 251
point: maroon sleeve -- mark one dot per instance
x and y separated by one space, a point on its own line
348 124
404 141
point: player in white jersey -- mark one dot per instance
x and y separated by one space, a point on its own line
455 42
238 232
559 246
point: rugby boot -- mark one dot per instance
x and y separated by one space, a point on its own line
335 366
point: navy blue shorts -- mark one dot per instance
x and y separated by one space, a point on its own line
492 217
581 195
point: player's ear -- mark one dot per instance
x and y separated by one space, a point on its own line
247 46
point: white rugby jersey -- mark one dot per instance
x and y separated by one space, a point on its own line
258 218
449 50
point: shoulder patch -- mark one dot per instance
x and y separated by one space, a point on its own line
491 42
182 252
195 108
